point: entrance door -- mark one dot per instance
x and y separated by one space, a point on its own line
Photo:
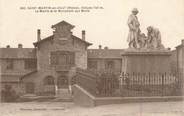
62 82
30 88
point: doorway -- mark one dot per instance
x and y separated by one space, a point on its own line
30 88
62 82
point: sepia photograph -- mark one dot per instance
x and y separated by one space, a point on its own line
92 58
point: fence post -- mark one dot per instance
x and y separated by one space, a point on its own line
121 83
163 83
96 86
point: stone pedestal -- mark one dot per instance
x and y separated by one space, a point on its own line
146 61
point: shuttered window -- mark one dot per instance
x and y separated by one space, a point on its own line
9 64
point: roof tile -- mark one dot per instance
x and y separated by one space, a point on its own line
17 53
105 53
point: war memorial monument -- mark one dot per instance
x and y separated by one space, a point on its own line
146 54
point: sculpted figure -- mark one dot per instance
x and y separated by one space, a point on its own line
154 38
134 29
142 40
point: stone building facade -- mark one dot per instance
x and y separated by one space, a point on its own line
15 63
105 60
46 68
56 55
41 69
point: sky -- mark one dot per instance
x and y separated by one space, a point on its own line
106 27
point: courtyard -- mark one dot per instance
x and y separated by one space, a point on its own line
69 109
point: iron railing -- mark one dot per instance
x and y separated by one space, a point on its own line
131 85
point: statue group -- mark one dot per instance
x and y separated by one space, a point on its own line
137 39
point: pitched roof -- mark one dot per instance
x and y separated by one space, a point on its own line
63 23
17 53
105 53
52 36
179 46
45 39
75 37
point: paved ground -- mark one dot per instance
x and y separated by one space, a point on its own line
69 109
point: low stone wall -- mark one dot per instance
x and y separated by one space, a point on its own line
120 100
82 97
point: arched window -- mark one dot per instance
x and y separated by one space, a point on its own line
49 80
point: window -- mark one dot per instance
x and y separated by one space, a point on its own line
49 80
92 64
109 65
53 58
71 58
62 58
9 64
30 64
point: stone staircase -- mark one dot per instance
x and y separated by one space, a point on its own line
63 95
34 97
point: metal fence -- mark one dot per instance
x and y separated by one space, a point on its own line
151 84
132 85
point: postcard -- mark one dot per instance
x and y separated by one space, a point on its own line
92 57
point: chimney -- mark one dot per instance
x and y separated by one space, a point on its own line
8 46
20 45
83 35
168 48
100 46
38 35
182 41
106 48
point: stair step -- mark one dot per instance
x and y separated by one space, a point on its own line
63 94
